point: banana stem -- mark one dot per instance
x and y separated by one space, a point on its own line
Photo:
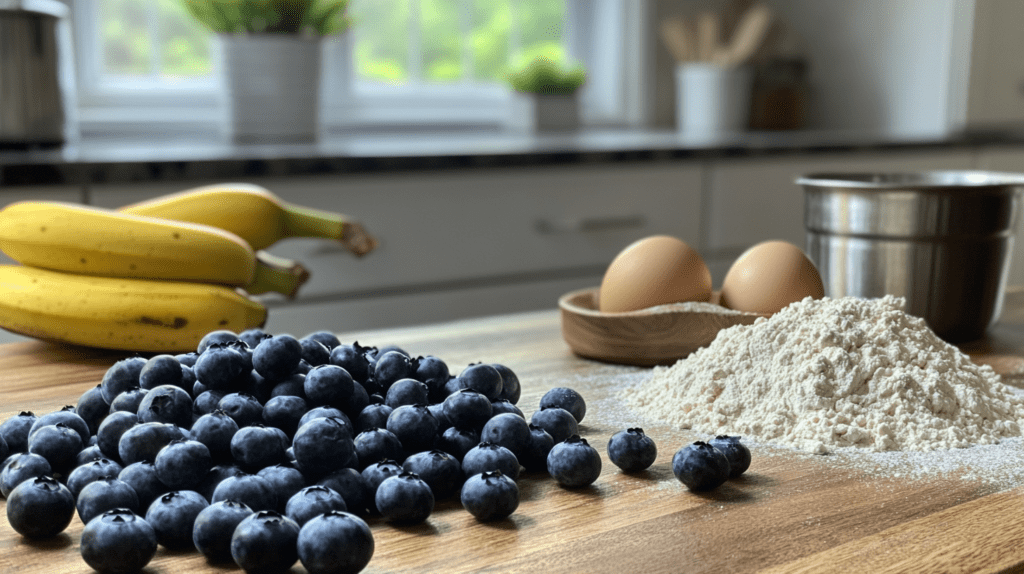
299 221
277 275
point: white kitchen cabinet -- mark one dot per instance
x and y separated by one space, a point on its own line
12 194
756 199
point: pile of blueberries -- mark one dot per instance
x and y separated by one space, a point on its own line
270 449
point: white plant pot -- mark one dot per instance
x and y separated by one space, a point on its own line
272 87
712 100
556 113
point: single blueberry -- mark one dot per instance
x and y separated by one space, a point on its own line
144 440
541 443
161 370
212 480
90 472
328 385
182 464
285 412
737 453
128 401
632 450
313 501
433 372
508 430
406 392
118 541
252 337
21 467
173 517
242 407
510 386
700 466
40 507
565 398
284 480
69 418
488 456
207 401
484 379
265 543
93 408
111 429
215 430
490 496
574 463
143 479
373 416
292 386
314 352
377 444
214 525
414 426
559 423
15 430
440 470
87 455
103 494
467 409
187 359
59 444
335 542
322 446
457 442
254 491
375 474
350 484
121 376
219 337
325 338
220 367
167 404
391 366
505 406
257 447
404 499
353 359
277 357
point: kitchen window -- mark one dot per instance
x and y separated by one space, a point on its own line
146 66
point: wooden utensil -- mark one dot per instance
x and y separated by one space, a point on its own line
677 39
751 31
656 336
708 36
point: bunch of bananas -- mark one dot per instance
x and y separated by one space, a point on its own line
158 275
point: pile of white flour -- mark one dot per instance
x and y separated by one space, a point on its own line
830 373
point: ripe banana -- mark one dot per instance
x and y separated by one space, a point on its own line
125 314
255 214
94 241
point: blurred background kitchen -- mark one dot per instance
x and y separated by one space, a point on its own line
491 195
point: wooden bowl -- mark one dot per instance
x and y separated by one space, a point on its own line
656 336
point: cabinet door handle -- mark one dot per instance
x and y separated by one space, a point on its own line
590 224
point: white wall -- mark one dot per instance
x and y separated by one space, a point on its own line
879 64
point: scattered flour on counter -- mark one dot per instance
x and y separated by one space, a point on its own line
827 374
694 307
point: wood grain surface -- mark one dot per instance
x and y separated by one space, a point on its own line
790 512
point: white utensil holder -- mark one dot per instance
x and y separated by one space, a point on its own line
712 99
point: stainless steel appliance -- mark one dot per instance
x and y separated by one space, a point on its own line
34 73
943 240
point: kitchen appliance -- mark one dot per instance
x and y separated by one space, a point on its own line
36 76
942 239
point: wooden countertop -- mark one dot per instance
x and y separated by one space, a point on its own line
791 512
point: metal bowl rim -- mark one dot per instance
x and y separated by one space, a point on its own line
916 180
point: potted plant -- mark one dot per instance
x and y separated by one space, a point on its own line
553 88
271 56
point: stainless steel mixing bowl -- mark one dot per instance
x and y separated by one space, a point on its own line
942 239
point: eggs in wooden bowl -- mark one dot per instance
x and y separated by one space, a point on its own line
656 304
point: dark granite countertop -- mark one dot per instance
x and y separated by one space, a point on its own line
113 160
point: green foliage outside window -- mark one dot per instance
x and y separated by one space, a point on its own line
380 53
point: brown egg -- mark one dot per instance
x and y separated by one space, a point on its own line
770 276
654 271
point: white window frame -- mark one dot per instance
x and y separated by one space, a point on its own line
603 34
